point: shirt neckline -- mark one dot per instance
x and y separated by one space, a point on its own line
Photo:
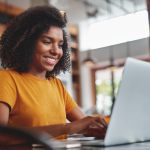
35 78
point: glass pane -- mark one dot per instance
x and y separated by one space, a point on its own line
103 83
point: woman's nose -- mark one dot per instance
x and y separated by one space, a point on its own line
55 49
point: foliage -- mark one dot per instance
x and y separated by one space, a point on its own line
105 87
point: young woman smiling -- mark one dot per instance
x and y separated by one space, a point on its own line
34 49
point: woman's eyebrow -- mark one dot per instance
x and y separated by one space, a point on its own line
51 38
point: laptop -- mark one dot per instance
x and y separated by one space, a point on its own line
130 120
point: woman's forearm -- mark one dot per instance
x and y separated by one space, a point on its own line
53 130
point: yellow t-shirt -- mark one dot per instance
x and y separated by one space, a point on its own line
33 101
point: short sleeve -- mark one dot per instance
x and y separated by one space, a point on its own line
70 104
7 89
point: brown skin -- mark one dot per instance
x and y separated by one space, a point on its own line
49 45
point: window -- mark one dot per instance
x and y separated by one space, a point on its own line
104 89
121 29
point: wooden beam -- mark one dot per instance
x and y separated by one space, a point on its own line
93 88
73 30
2 28
10 9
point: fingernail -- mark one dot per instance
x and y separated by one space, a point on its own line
101 125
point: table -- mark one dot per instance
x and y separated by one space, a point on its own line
134 146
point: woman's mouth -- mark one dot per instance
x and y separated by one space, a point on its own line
50 60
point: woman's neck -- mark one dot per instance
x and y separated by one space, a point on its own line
38 73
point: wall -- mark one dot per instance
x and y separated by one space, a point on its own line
19 3
68 82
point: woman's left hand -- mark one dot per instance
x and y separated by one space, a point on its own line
91 130
97 132
94 131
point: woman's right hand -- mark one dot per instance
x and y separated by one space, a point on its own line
96 126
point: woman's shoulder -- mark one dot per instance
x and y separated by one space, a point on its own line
56 80
8 71
9 74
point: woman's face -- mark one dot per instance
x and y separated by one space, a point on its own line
48 50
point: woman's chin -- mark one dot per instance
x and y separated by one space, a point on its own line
49 69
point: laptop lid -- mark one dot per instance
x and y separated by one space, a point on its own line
130 120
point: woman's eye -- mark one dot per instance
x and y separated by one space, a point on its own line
60 45
46 42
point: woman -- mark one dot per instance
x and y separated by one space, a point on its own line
34 49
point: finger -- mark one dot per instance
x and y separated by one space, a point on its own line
92 121
96 130
89 135
102 135
100 120
96 124
99 136
105 122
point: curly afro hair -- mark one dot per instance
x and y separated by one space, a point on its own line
19 39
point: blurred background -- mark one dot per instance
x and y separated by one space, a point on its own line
103 33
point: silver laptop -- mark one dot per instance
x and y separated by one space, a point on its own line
130 121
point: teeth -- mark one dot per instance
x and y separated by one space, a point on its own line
50 59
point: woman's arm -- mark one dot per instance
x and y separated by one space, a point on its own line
75 114
54 130
4 114
6 139
81 125
79 122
